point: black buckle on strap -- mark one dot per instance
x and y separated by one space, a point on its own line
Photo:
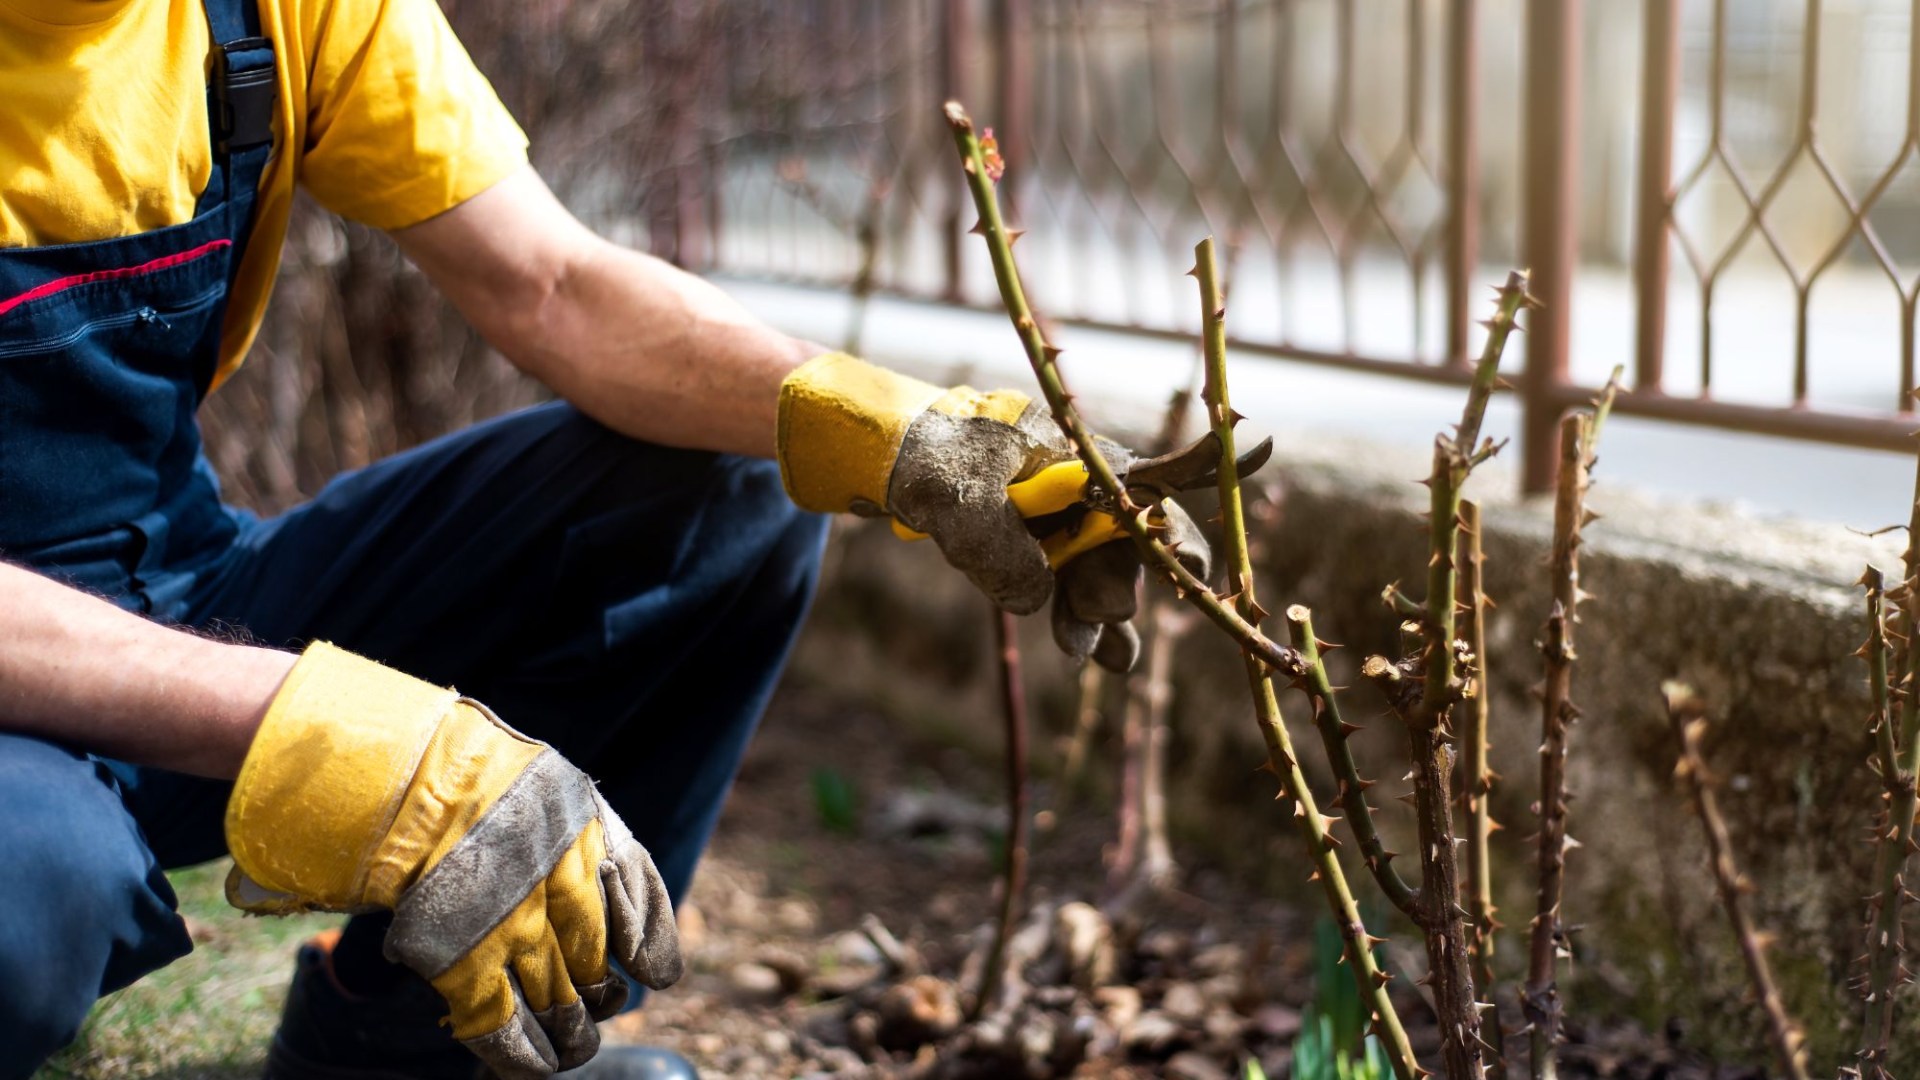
244 91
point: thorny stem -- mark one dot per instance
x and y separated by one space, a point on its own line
1477 780
1281 759
1013 702
1334 733
1886 944
1453 459
1688 715
1429 726
1548 939
1579 435
1042 356
1462 1051
1883 972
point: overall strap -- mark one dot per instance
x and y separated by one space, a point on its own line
242 91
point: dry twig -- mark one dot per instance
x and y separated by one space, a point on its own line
1687 713
1013 702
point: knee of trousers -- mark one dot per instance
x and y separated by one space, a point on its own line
84 907
725 508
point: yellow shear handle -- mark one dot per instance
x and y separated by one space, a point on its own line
1050 491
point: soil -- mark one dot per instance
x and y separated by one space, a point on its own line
840 821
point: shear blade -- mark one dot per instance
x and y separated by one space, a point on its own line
1196 465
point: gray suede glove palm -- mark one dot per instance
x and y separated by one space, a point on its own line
972 471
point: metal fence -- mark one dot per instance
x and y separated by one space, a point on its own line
1368 164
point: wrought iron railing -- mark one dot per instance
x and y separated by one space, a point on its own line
1367 165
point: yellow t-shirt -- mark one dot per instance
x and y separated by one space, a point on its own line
103 132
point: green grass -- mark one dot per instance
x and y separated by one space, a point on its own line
207 1015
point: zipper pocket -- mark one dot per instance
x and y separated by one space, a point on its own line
151 266
146 314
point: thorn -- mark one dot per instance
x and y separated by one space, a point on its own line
1014 235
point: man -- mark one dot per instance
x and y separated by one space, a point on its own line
619 574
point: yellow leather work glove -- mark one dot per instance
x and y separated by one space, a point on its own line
855 437
509 877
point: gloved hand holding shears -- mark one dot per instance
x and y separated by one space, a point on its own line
992 480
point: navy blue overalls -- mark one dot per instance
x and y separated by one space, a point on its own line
631 604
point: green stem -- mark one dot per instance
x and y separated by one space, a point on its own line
1442 685
1281 759
1334 733
1486 374
1042 356
1453 459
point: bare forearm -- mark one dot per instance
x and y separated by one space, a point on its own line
661 355
639 345
77 670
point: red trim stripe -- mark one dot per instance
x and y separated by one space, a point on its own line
75 280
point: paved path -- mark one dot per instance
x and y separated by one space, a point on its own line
1769 477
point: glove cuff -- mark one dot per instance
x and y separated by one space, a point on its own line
842 421
324 778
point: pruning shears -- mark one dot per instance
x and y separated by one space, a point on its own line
1072 515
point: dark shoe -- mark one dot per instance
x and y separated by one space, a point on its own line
329 1033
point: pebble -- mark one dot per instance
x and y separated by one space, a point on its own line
1086 941
1164 944
776 1043
792 968
1119 1005
844 981
1223 1026
1184 1002
795 916
755 984
1188 1065
1150 1031
854 947
1277 1022
1223 959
